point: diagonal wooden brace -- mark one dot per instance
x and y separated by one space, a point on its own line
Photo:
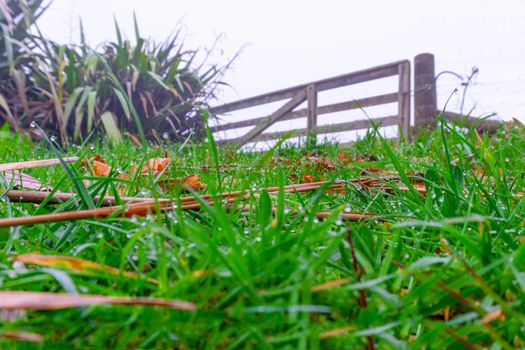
299 98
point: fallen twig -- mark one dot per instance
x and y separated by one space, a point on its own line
149 205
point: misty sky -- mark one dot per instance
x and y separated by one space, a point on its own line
291 42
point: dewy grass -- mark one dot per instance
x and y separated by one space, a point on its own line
428 275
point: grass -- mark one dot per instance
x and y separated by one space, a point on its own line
441 270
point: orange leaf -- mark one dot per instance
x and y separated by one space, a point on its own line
100 168
322 163
492 316
19 300
308 178
73 264
192 182
344 158
155 166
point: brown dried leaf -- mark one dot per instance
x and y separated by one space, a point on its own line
155 166
73 264
192 182
22 336
322 163
99 167
308 178
492 316
19 300
344 158
20 180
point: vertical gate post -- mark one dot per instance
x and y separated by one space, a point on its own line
425 100
404 99
311 111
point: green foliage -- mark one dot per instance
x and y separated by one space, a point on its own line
434 277
149 88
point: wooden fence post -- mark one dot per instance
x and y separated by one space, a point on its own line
425 100
311 111
404 99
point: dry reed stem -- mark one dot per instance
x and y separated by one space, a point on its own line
145 207
35 163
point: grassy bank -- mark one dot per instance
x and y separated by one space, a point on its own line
441 265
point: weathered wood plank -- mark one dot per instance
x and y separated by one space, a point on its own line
425 105
404 99
326 129
354 104
332 108
311 109
299 98
373 73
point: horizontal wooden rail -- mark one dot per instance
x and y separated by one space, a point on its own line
332 108
331 128
378 72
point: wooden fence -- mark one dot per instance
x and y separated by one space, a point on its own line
425 104
296 95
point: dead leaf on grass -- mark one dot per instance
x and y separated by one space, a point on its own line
186 183
322 163
98 167
492 316
154 166
21 300
73 264
309 178
22 336
24 181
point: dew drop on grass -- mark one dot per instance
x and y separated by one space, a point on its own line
338 222
287 211
316 220
33 124
129 235
348 209
441 199
135 257
165 135
53 138
92 148
19 266
306 219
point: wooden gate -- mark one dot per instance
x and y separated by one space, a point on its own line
296 95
